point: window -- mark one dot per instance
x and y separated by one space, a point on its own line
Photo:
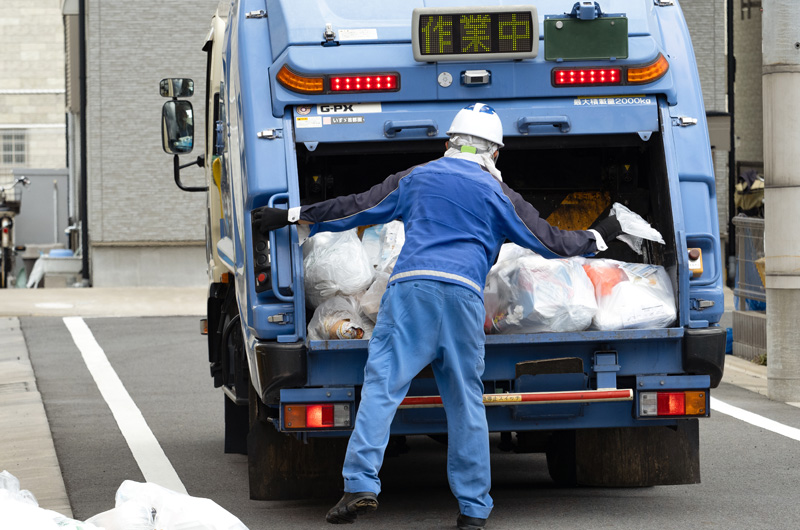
14 144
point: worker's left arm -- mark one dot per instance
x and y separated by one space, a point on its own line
525 227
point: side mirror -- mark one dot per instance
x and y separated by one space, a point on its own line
176 88
177 127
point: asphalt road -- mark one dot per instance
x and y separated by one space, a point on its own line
750 476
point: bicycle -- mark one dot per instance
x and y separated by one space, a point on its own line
9 207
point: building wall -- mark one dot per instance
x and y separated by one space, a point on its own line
32 83
748 103
137 216
707 22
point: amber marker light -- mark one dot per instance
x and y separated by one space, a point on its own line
299 83
648 74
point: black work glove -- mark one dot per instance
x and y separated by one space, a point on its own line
608 228
268 219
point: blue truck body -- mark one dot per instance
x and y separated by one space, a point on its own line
644 144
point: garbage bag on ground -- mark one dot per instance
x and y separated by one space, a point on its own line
169 510
526 293
630 295
634 228
335 263
19 510
128 515
339 317
371 299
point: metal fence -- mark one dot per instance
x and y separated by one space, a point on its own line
749 285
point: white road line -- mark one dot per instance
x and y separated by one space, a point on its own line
755 419
149 455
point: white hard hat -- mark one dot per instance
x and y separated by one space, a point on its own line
478 120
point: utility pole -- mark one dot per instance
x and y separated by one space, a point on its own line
781 84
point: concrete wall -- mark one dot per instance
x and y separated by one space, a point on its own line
143 230
32 81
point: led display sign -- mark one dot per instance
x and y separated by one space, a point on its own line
475 33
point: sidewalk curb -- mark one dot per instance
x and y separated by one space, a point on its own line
744 374
26 445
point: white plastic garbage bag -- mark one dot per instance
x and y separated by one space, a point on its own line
335 263
392 236
631 295
37 273
526 293
371 300
20 511
169 510
339 317
634 228
128 515
371 239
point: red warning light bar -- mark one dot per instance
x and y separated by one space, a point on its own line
580 396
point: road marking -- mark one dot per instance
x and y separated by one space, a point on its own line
755 419
147 452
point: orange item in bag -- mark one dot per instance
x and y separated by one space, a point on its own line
604 277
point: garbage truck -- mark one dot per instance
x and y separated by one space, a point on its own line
600 103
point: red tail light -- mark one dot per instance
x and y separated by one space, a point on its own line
363 83
680 403
317 416
587 76
621 75
336 83
671 404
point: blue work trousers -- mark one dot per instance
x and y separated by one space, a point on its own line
425 322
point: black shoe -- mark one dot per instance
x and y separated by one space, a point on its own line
351 505
466 522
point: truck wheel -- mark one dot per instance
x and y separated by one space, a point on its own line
281 467
561 463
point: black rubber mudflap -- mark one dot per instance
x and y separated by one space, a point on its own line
237 424
640 456
281 467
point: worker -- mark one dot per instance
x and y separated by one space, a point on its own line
457 213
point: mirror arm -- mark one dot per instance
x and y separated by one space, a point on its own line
176 165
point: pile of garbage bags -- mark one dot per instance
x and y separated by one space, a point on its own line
138 506
526 293
345 278
346 274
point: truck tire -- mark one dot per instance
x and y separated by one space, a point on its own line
281 467
626 456
561 461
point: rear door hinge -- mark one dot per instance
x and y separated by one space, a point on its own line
257 14
270 134
683 121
